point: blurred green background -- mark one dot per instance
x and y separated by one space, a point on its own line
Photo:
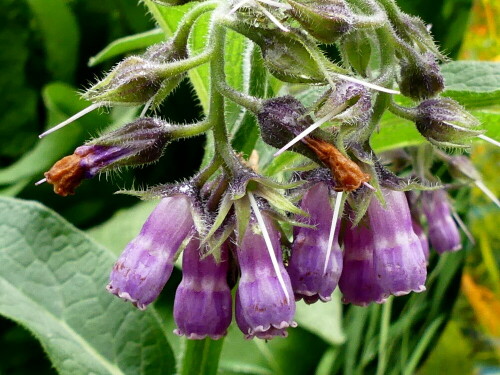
45 49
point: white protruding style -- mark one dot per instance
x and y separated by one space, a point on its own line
462 226
43 180
488 139
367 84
306 132
75 117
336 212
269 245
369 186
480 184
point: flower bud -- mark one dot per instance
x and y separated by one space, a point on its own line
445 123
351 101
139 142
421 77
203 303
325 20
172 2
285 57
132 82
137 79
281 119
145 265
263 309
443 232
306 266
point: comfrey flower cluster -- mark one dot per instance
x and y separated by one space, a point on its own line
343 216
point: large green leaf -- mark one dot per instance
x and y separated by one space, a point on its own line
127 44
60 35
473 83
52 280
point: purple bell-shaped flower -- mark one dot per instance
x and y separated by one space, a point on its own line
443 232
424 241
399 260
145 265
358 282
265 306
311 280
383 255
203 303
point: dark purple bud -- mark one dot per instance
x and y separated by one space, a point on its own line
137 143
350 102
203 303
281 119
417 228
359 283
443 232
145 265
445 123
306 266
399 259
173 2
421 77
325 20
265 306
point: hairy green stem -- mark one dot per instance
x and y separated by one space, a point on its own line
191 130
204 175
181 36
216 112
403 112
178 67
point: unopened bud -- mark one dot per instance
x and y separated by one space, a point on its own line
445 123
285 57
137 79
351 102
140 142
325 20
421 78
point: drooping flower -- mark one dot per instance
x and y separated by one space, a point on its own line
358 282
203 304
443 232
382 255
311 278
263 308
399 260
146 264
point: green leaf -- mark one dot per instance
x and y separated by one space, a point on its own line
127 44
52 279
122 227
472 83
60 35
323 319
61 101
